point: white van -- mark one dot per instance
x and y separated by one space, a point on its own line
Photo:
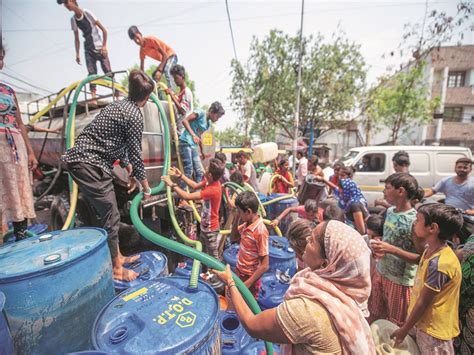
428 164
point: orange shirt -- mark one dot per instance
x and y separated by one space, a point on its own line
253 244
150 48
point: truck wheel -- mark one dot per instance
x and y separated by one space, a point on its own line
59 211
85 215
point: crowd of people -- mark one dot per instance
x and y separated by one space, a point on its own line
402 263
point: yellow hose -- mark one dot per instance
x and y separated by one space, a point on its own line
176 144
72 132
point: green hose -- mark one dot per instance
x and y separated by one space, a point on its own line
176 247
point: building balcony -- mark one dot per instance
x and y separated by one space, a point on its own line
460 96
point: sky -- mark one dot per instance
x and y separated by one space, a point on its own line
40 43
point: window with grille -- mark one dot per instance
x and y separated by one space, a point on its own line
456 79
452 114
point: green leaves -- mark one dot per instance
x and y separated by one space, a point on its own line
402 101
264 89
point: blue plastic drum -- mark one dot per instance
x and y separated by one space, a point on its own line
258 348
160 317
230 255
273 289
184 268
55 285
33 228
275 209
150 266
233 335
6 342
282 256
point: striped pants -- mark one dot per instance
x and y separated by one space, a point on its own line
388 300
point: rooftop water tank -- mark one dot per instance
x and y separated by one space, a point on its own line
55 285
163 316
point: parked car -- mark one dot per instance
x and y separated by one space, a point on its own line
428 164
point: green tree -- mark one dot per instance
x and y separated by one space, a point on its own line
189 83
230 136
401 102
264 89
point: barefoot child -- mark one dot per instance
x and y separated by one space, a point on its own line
433 311
95 47
253 258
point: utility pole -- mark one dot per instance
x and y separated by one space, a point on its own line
298 93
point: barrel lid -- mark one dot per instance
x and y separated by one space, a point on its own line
47 252
149 266
161 316
279 247
381 332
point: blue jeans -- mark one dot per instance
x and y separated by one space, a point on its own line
191 162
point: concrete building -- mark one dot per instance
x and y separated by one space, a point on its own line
451 77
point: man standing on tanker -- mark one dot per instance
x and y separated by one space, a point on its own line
114 134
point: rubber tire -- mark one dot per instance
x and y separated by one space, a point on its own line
59 211
85 214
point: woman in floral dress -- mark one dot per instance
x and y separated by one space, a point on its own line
16 159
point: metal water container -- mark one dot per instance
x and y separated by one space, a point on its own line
55 285
163 316
150 266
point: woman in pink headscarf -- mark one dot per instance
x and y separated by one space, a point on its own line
325 307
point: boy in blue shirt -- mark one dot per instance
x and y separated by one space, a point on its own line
195 124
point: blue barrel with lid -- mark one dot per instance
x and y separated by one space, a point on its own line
33 228
276 208
6 341
282 256
230 255
55 285
160 317
150 266
184 268
233 335
273 289
258 348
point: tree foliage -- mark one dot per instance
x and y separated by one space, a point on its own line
401 102
264 89
189 83
231 136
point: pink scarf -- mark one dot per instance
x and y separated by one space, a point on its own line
342 287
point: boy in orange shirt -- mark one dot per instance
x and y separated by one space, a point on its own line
152 47
253 259
210 195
